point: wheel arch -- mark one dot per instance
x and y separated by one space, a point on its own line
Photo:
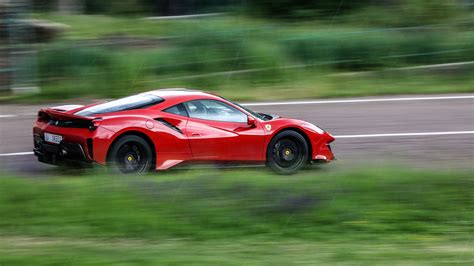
296 129
133 133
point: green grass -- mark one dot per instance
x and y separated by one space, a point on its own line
203 54
96 26
289 84
372 216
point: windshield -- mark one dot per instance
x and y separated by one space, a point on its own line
127 103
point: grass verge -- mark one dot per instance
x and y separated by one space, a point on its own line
233 217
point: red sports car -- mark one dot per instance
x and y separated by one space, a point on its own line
163 128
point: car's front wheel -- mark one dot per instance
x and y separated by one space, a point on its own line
287 152
130 155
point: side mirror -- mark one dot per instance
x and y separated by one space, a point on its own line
251 121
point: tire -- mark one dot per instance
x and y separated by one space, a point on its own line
287 152
130 154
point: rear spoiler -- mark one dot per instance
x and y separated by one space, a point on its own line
59 115
67 108
62 119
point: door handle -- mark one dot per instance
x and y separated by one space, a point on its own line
195 135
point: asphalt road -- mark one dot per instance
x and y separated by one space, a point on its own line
435 131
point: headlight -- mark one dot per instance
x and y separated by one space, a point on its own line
312 127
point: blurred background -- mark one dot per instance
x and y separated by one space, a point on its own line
245 50
403 198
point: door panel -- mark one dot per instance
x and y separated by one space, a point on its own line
225 141
219 131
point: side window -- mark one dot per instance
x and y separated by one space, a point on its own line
214 110
177 110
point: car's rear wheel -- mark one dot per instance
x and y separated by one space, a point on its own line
130 155
287 152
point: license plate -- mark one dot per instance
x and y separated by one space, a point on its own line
53 138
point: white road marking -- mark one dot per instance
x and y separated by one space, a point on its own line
16 115
335 136
404 134
363 100
16 154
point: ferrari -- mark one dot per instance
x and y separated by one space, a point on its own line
161 129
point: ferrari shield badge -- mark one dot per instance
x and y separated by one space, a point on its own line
268 127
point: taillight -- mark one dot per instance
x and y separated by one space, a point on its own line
94 124
43 117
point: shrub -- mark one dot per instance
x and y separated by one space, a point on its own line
374 49
87 71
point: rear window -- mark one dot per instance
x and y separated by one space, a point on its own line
128 103
178 109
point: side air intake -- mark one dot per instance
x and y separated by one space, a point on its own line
168 124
